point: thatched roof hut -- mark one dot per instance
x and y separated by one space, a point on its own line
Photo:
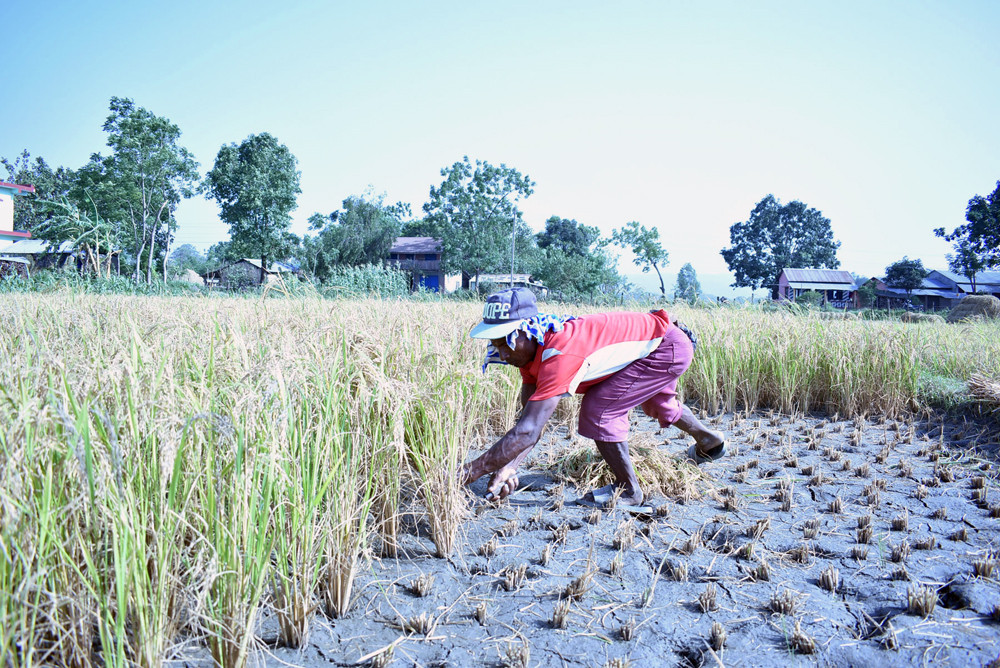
975 306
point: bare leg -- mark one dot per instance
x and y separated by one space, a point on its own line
617 458
705 438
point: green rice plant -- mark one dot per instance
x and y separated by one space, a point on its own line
434 446
239 531
301 498
348 506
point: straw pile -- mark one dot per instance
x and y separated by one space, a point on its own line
921 317
976 306
985 389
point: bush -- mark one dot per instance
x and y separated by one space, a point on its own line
367 280
811 299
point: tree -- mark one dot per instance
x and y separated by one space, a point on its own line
186 257
645 245
687 286
568 236
570 262
220 254
89 234
362 233
473 212
776 237
966 261
51 185
255 185
139 186
977 243
906 274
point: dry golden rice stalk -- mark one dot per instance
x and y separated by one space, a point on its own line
975 307
659 472
985 389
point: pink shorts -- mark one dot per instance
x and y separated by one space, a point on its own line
650 382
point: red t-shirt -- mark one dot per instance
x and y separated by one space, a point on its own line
591 348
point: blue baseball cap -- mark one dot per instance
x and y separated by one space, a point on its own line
504 311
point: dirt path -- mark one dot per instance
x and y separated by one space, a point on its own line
928 527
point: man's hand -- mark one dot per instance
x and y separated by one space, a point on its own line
508 453
503 483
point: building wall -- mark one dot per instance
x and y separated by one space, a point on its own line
6 212
783 286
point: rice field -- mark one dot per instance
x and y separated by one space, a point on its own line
174 468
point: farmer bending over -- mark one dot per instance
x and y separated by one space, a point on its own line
616 360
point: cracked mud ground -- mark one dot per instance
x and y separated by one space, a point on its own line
817 535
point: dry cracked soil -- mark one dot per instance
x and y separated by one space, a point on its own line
815 541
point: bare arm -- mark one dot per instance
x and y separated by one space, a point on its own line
507 453
526 392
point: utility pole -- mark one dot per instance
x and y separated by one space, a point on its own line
513 228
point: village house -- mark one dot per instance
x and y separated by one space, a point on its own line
421 258
245 273
8 191
987 282
10 264
837 287
940 290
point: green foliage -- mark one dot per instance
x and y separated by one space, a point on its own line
363 233
139 185
90 235
977 243
220 254
868 294
645 245
367 280
810 298
187 257
687 287
568 236
570 262
569 275
255 185
776 237
906 274
473 211
50 186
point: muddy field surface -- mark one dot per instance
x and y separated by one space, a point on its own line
840 543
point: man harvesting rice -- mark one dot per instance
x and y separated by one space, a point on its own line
616 360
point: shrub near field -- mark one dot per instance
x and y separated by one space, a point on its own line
171 465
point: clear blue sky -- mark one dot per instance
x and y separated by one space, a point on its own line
681 115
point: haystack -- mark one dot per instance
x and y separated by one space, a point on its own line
191 276
975 306
985 389
921 317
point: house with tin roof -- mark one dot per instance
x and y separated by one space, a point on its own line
987 282
837 287
940 290
421 258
